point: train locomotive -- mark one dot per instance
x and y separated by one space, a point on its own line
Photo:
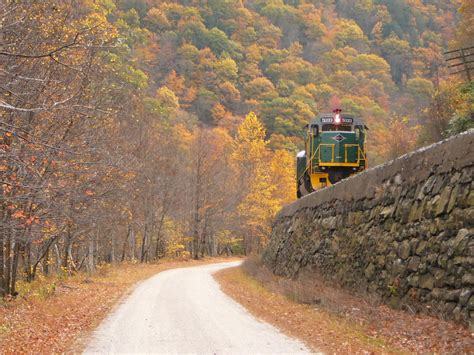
334 150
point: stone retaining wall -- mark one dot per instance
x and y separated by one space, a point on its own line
402 230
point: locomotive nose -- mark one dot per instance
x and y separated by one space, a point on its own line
338 147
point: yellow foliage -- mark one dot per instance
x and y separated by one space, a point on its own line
282 167
259 207
249 144
268 178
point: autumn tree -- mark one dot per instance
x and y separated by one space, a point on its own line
257 202
210 179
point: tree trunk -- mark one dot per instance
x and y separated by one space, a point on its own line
46 261
44 258
2 272
246 244
16 258
125 243
8 264
90 256
67 249
196 222
27 260
112 250
158 235
196 237
71 257
144 242
132 244
58 257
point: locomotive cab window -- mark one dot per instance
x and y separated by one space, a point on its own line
335 128
314 130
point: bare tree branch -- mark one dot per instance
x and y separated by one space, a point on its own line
44 55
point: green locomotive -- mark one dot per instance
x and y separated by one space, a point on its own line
334 150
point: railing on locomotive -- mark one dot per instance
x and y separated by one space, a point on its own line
352 151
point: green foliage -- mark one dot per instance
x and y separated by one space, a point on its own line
349 34
134 76
463 118
226 69
223 14
371 64
106 6
398 54
125 71
460 124
204 103
164 104
420 88
218 41
279 13
132 18
156 20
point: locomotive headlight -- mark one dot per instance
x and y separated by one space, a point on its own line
337 119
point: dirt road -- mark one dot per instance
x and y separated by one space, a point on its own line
184 311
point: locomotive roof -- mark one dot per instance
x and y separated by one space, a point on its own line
317 121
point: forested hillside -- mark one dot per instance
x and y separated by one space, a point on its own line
288 60
126 126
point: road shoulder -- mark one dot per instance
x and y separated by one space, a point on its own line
333 319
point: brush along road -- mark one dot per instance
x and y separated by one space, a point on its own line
184 311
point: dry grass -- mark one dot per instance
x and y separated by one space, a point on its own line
53 313
334 320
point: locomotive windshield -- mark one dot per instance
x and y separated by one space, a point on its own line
334 127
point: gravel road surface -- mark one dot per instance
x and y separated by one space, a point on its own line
184 311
